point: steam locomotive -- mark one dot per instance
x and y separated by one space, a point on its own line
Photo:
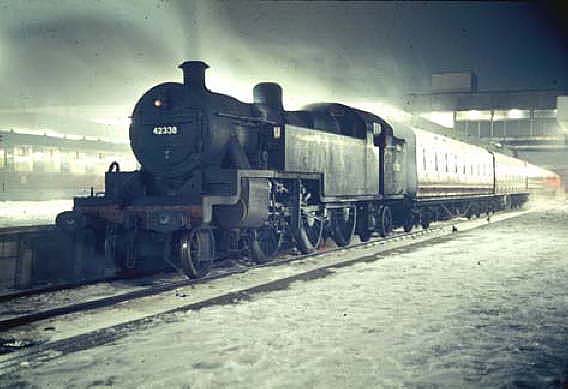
220 177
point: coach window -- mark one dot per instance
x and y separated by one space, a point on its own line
424 159
446 162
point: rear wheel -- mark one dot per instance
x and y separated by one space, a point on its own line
427 215
365 236
384 217
196 250
343 225
408 223
478 211
363 224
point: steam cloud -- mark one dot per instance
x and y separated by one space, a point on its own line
82 65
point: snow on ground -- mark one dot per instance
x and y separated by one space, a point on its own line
29 213
156 304
484 308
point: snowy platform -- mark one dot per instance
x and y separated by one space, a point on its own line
484 307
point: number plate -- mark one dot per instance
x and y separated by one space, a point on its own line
168 130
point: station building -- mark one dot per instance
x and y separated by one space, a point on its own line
36 166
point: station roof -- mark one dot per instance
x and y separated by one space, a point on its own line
484 100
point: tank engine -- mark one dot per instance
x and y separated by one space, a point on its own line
218 176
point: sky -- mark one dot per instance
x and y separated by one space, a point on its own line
83 64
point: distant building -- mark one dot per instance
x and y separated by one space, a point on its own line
34 166
531 123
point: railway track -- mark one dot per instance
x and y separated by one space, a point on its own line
40 342
216 273
17 320
11 295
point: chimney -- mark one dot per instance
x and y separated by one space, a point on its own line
194 74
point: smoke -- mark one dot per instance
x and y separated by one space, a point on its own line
315 51
60 57
80 69
107 52
67 57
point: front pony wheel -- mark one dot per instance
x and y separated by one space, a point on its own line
196 251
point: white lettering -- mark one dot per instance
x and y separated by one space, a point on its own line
169 130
